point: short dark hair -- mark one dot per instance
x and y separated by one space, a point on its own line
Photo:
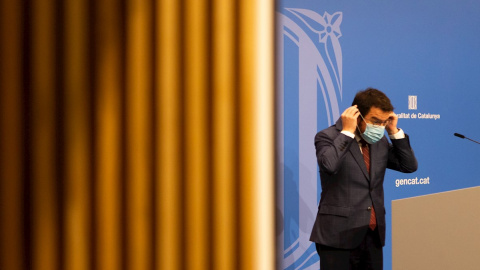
372 97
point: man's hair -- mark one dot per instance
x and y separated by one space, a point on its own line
372 97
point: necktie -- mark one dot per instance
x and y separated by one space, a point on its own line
366 154
366 158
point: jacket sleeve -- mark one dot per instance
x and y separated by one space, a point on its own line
401 156
331 149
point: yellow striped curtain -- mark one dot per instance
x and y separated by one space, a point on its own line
137 134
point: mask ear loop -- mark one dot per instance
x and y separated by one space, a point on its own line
362 117
359 131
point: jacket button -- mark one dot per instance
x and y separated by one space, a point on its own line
369 208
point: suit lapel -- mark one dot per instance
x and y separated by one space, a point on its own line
357 155
374 150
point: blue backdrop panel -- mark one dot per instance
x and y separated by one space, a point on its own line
425 55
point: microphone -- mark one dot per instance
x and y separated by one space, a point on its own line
464 137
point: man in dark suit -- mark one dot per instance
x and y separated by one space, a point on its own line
353 155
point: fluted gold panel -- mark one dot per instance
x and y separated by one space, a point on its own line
169 133
11 151
225 135
137 134
107 189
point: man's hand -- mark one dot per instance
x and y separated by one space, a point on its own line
349 119
392 125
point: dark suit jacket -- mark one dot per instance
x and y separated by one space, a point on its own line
348 192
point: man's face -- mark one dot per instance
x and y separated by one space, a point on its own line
375 116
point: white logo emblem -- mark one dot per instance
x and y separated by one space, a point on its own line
412 102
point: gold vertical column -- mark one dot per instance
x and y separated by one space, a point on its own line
45 225
257 137
247 130
138 135
77 138
224 130
168 111
264 87
196 132
107 55
11 252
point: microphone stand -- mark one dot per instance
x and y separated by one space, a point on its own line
464 137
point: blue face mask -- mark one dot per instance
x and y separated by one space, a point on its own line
372 132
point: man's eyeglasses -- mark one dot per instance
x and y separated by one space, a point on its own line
379 122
